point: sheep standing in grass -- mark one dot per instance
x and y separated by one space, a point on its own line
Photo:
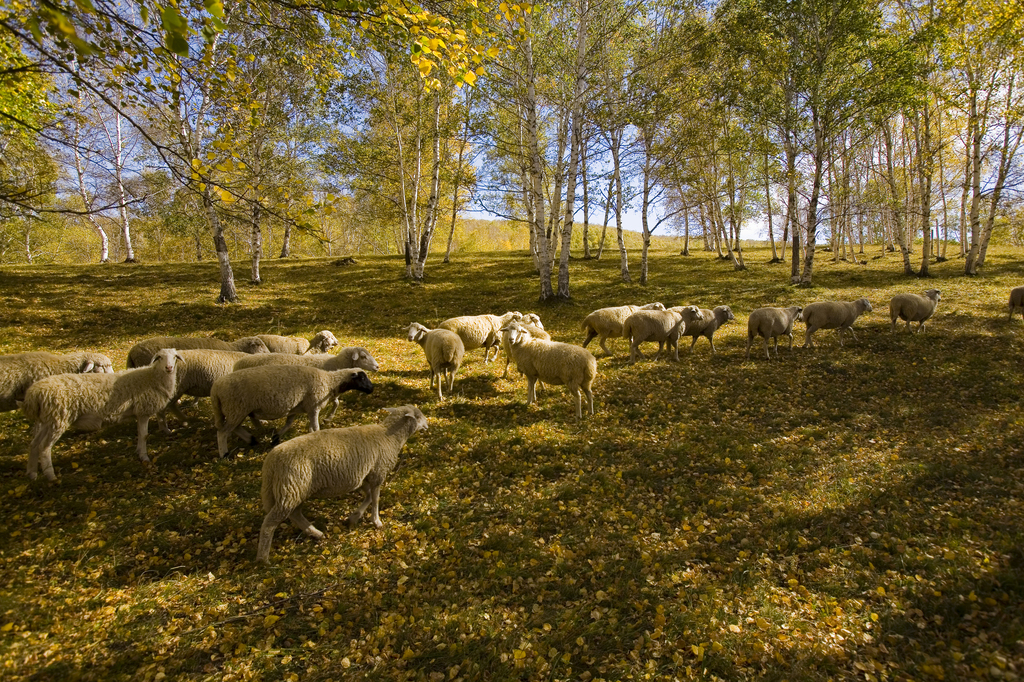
21 370
444 350
554 363
913 308
199 368
276 391
480 331
88 401
321 342
771 323
142 352
531 323
1016 301
709 323
347 358
833 315
663 326
606 323
330 463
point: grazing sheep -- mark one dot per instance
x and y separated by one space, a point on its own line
322 342
913 308
276 391
330 463
444 350
771 323
554 363
199 368
88 401
606 323
346 358
709 323
1016 301
480 331
142 352
833 315
663 326
532 324
21 370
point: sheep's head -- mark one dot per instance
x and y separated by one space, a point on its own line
653 306
166 359
251 345
509 317
361 358
798 313
933 294
322 342
534 319
515 333
409 413
354 380
95 363
416 332
867 305
724 313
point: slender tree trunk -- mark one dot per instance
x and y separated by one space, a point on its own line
623 258
458 178
895 212
812 204
686 232
791 204
126 231
1007 152
227 277
430 219
575 151
974 125
86 200
924 163
586 201
536 161
768 209
256 245
607 214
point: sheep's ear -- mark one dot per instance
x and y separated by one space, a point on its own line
87 367
180 359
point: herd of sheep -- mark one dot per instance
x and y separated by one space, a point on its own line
275 377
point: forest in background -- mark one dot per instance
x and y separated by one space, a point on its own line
233 131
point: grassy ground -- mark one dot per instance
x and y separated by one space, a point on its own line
842 513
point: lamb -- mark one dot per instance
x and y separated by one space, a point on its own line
322 342
833 315
663 326
346 358
913 308
200 367
708 325
142 352
554 363
277 391
530 322
331 463
480 331
88 401
1016 301
771 323
606 323
444 350
21 370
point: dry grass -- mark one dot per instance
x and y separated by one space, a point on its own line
845 513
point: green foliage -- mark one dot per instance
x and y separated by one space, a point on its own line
848 513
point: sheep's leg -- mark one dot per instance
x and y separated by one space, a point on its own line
710 340
591 334
577 401
750 342
440 380
314 419
270 523
808 342
790 344
766 353
590 397
40 450
531 389
334 410
314 425
451 380
303 524
143 430
604 347
375 494
371 491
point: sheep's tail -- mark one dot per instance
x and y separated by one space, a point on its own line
30 408
218 415
267 494
627 331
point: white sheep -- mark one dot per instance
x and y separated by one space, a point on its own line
554 363
709 323
530 322
913 308
771 323
1016 301
276 391
833 315
330 463
321 342
142 352
663 326
606 323
480 331
21 370
199 368
88 401
346 358
444 350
